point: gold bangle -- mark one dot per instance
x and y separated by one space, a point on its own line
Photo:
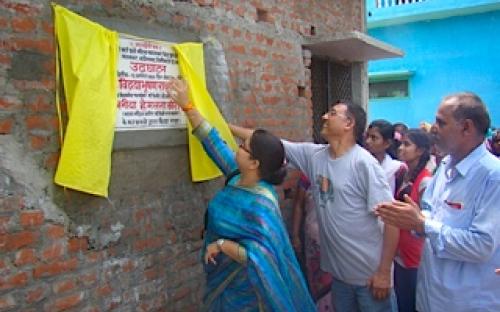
189 106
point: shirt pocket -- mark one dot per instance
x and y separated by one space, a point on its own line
456 211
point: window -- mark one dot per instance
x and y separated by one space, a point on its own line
389 85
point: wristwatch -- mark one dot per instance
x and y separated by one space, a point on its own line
219 243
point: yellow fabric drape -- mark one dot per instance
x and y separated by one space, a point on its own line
192 67
88 60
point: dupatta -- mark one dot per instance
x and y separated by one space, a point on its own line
271 279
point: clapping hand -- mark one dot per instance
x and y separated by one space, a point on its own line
404 215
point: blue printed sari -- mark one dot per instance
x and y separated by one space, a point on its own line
270 279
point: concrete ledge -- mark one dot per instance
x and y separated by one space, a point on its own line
352 46
137 139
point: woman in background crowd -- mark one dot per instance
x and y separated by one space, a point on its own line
304 217
494 143
378 140
415 151
249 261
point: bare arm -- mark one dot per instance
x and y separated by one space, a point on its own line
298 213
241 132
180 94
380 283
232 249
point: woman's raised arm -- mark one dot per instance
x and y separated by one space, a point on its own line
180 94
240 132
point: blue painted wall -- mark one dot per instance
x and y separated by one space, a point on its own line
446 55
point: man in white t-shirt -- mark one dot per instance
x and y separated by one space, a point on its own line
348 183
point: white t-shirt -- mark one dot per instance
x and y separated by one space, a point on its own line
391 167
345 191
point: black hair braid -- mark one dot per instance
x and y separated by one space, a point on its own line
422 162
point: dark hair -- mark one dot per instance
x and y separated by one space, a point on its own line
357 113
270 153
470 106
400 124
384 127
423 141
386 130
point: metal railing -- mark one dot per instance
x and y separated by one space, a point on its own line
392 3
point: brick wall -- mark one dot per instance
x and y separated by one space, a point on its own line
139 250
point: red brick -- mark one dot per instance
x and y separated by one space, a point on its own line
8 103
63 286
48 27
142 214
128 266
151 274
258 52
181 293
55 268
210 27
36 122
23 24
210 3
42 105
94 256
10 242
88 279
104 291
3 23
38 142
54 231
271 100
31 218
150 243
35 294
269 77
278 57
238 48
45 46
6 125
52 252
14 281
51 160
21 8
65 303
50 66
25 256
179 19
76 244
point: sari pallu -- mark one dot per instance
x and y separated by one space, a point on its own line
270 279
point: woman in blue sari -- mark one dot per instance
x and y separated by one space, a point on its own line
248 258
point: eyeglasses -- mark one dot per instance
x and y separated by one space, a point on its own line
243 147
332 113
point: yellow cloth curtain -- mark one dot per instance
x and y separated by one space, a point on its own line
88 61
192 67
